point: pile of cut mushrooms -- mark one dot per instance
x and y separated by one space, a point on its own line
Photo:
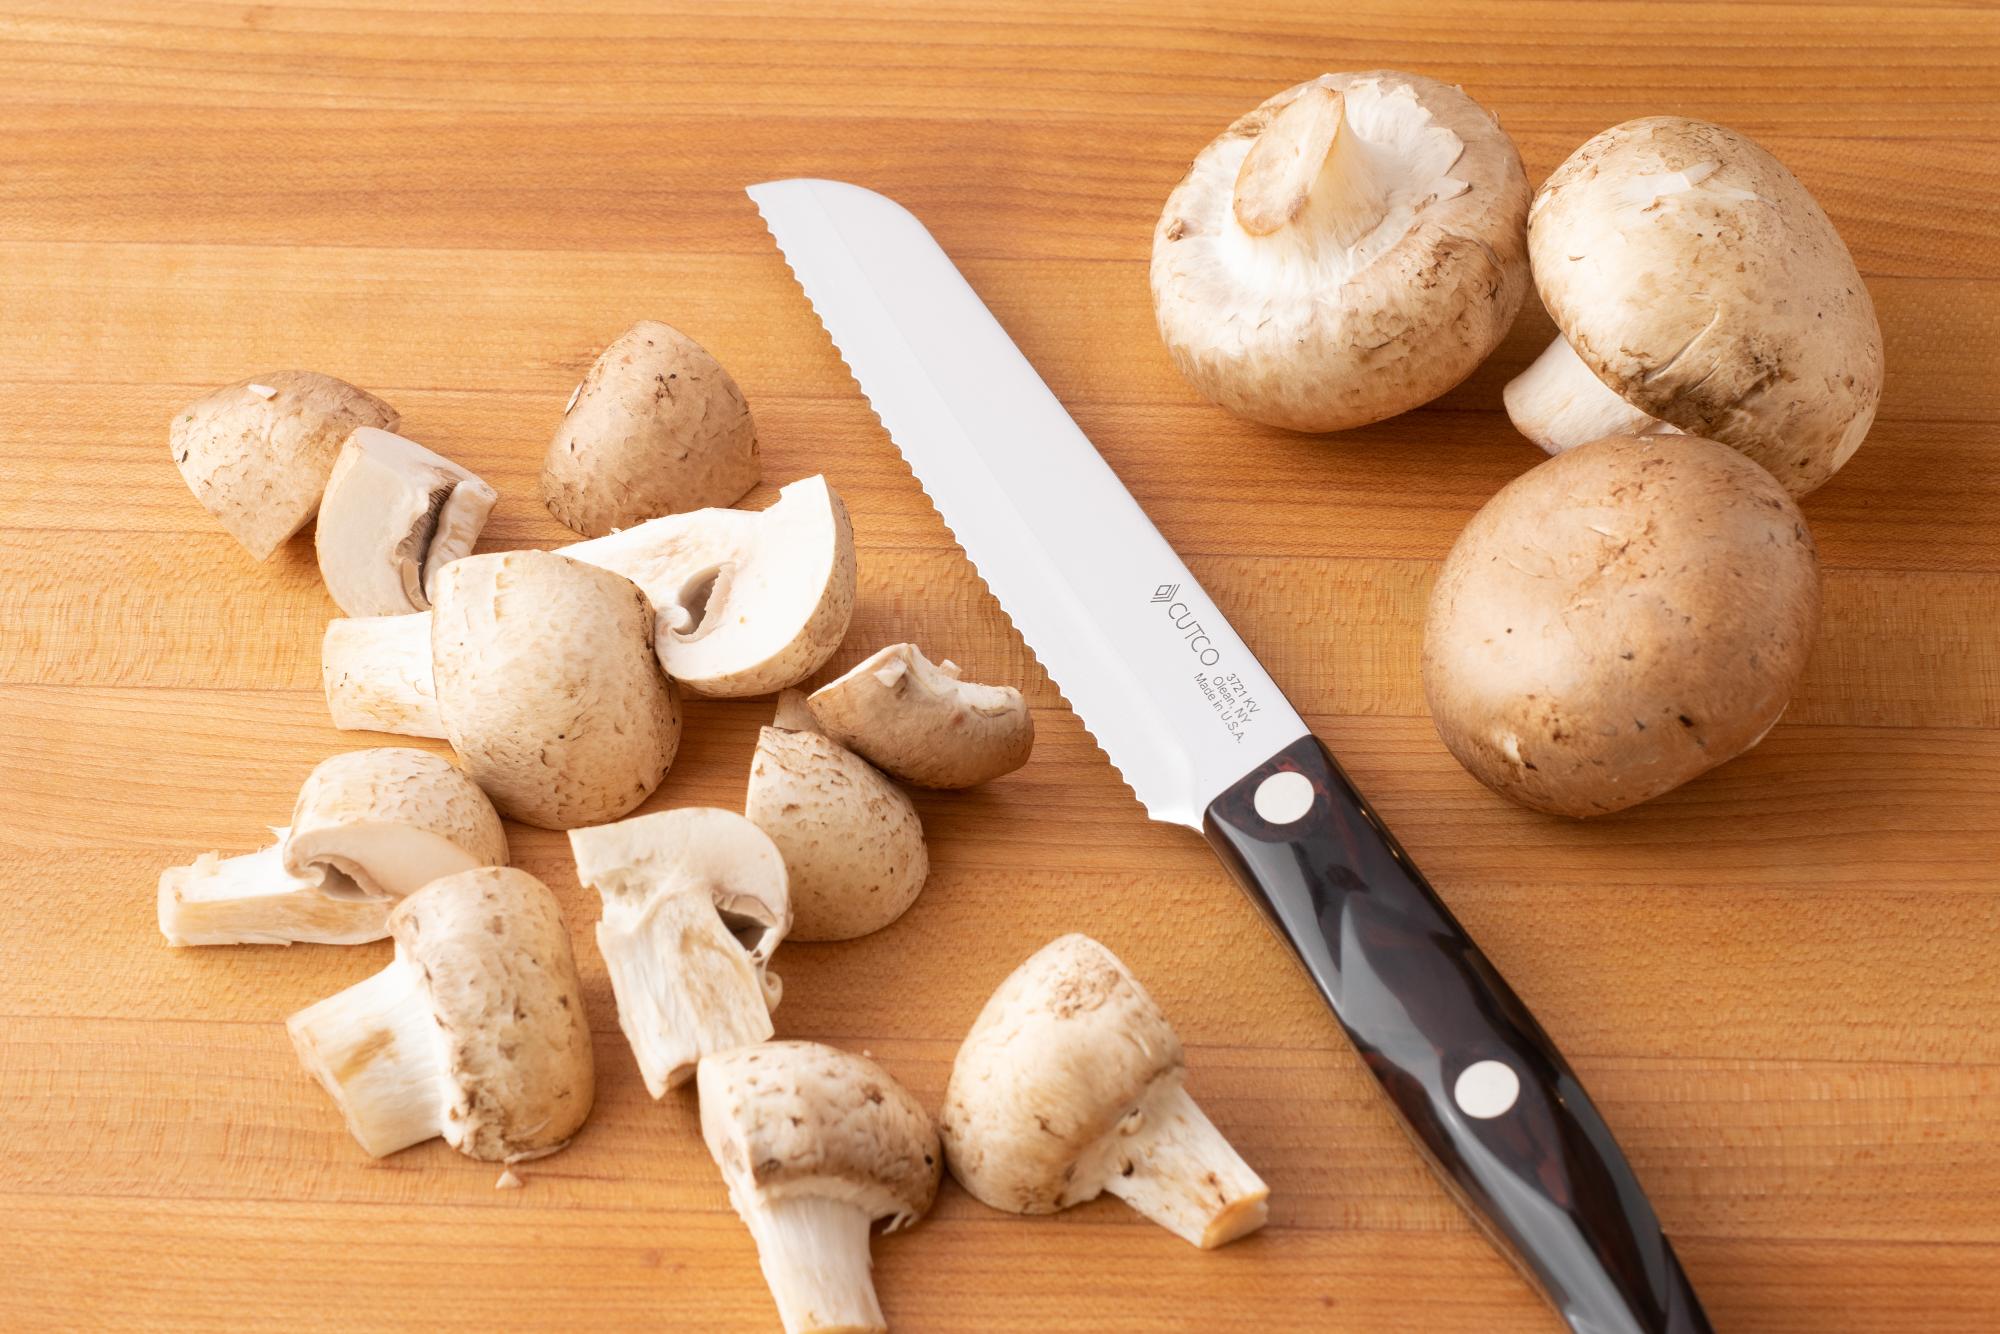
1639 608
556 678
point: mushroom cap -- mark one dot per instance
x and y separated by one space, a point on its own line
1324 337
749 601
258 462
392 820
1060 1054
495 951
548 687
694 848
1699 280
657 427
393 515
1623 617
851 841
801 1118
919 721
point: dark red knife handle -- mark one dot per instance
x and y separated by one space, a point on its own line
1517 1139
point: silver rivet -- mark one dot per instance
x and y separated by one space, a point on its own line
1284 796
1485 1089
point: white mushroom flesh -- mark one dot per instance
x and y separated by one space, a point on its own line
1168 1161
394 514
254 900
376 671
814 1253
1559 403
377 1049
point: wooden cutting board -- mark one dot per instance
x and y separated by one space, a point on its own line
1781 983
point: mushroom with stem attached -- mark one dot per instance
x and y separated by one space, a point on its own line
1347 251
853 846
1697 288
393 515
1070 1084
369 827
919 721
474 1032
815 1145
695 902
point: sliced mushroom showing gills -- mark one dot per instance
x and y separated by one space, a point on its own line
852 843
1350 249
920 722
394 514
257 453
369 827
1071 1084
816 1145
745 603
695 902
474 1032
1697 287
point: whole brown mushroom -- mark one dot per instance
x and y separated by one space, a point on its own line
1628 615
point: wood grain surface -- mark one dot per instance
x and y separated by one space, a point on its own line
1781 982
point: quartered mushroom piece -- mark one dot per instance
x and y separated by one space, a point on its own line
1070 1084
474 1032
919 721
816 1145
257 453
394 514
695 902
369 827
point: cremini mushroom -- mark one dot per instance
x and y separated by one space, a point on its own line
656 427
816 1144
917 720
1070 1084
369 827
1697 287
746 603
394 514
853 846
1347 251
257 453
695 901
548 688
474 1032
1627 615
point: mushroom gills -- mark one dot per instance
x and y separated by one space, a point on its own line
1167 1160
813 1250
377 1049
1559 403
376 671
254 900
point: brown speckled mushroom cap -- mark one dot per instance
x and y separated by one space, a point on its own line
1619 619
549 688
1695 276
392 819
802 1118
502 982
1062 1052
257 453
920 722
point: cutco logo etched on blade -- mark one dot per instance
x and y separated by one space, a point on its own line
1165 592
1227 694
1188 624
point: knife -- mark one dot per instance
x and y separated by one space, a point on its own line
1204 739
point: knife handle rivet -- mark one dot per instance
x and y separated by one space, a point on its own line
1283 797
1485 1089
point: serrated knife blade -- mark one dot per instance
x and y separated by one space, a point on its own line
1205 739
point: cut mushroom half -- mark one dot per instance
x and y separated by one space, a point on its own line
474 1032
920 722
852 843
394 514
695 902
1697 288
376 672
369 827
1071 1084
816 1145
257 453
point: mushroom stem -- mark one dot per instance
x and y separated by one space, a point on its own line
814 1253
379 1051
685 986
254 900
1168 1161
1559 403
376 671
1309 176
